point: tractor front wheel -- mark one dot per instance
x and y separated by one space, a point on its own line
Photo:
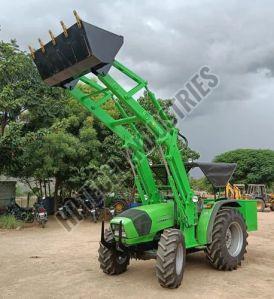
171 257
112 262
228 245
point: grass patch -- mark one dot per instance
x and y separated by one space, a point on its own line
9 222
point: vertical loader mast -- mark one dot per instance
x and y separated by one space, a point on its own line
165 135
85 48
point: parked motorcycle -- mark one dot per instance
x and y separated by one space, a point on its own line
92 203
40 213
70 208
87 204
23 214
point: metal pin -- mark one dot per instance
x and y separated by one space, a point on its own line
64 28
52 37
42 45
32 52
78 19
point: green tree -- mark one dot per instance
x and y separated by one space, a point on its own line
18 79
254 166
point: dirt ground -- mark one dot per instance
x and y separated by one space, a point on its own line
54 263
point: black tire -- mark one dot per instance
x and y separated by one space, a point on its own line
171 250
43 223
27 217
260 205
229 240
111 261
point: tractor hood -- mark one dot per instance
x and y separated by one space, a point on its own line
142 223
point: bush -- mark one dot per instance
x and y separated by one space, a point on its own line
9 222
201 184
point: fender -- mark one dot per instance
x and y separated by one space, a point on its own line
216 208
207 218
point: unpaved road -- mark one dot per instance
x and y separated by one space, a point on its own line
51 263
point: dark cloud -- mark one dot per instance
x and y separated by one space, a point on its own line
166 42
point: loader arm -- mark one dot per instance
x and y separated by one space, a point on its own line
165 137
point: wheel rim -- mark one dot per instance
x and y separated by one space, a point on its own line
179 259
121 259
234 239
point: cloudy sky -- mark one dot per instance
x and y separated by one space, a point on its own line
168 41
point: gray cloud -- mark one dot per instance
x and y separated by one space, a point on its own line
167 42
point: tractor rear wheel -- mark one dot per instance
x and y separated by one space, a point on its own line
171 256
229 240
112 262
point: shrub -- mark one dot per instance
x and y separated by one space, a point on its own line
9 222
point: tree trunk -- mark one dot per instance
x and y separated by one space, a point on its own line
56 189
26 181
4 122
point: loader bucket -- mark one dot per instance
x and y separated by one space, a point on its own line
80 49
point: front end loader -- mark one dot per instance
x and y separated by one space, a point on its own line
171 221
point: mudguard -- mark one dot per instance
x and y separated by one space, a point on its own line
247 208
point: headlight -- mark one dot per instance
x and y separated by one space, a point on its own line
115 230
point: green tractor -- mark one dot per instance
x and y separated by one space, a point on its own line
171 221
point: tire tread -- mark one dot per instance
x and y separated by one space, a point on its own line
215 252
